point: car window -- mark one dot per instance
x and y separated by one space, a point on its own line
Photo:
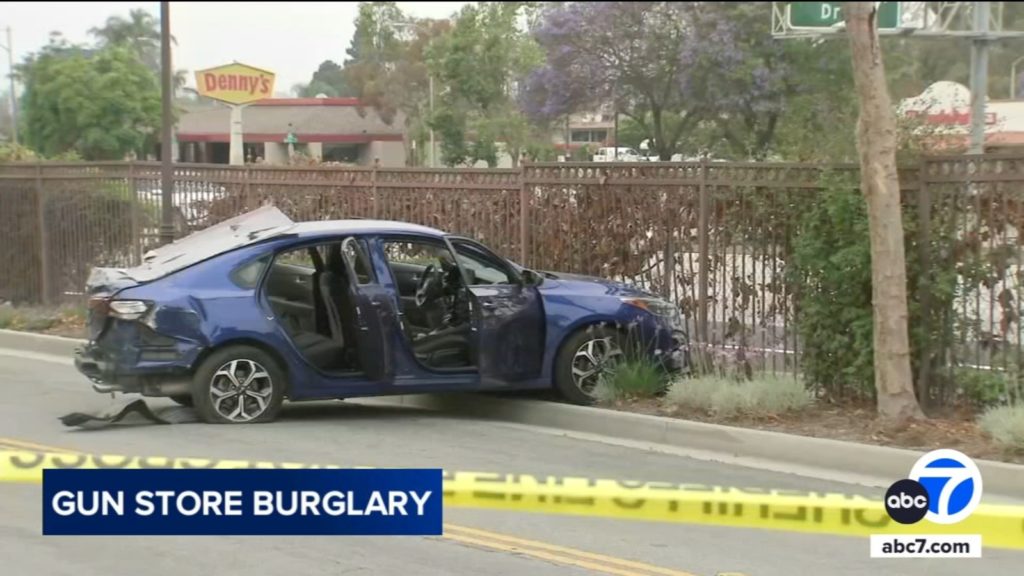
485 268
356 255
297 257
248 275
418 253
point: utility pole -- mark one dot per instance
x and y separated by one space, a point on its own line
166 169
14 98
979 75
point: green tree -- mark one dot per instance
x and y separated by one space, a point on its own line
478 65
140 32
99 104
328 79
386 67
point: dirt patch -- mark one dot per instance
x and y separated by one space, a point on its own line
852 423
67 321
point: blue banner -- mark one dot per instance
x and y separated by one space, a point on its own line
242 502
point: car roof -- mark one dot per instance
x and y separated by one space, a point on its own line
360 226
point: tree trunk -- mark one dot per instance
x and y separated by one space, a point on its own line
876 145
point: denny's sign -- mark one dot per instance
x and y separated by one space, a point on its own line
235 83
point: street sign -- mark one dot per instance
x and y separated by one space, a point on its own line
814 15
235 83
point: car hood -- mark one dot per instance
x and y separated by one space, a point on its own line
590 285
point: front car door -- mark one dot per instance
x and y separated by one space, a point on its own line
508 316
374 312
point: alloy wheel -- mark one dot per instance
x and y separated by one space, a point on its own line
241 390
594 359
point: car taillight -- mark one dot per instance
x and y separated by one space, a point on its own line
128 309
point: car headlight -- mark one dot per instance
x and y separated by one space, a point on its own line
655 306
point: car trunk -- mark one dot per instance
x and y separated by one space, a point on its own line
105 283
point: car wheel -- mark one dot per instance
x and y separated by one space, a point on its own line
238 385
585 357
183 399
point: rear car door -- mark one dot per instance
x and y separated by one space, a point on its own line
508 316
375 314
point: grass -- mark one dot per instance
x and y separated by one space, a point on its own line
1005 424
37 318
762 396
634 378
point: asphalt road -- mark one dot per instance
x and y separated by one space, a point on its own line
37 392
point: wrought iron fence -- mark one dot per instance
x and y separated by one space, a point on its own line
713 237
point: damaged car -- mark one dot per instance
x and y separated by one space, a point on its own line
239 317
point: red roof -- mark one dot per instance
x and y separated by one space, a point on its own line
307 102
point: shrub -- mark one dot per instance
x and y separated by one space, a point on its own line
763 395
632 378
1005 424
831 280
984 388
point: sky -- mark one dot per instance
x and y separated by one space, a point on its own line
290 39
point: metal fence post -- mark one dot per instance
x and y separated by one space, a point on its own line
524 217
373 189
924 216
702 281
135 207
44 244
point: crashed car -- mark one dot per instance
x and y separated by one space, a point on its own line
238 317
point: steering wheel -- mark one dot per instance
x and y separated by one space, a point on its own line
425 286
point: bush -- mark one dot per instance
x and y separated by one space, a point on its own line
984 388
763 395
831 280
1006 425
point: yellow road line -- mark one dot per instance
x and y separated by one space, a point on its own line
554 553
31 446
487 539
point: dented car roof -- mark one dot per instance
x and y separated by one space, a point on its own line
251 227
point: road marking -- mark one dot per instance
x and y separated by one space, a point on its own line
557 554
487 539
31 446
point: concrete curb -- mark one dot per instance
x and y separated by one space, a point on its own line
848 457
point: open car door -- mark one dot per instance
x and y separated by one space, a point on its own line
374 312
508 317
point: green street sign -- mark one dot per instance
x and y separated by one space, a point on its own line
811 15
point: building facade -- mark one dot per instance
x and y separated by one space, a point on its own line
280 130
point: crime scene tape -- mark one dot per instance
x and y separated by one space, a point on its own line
1001 526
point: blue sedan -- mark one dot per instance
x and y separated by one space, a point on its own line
236 318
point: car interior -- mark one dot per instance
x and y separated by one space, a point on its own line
434 303
308 290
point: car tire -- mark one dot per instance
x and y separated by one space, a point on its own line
565 382
238 385
183 399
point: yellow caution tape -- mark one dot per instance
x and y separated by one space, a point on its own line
1000 526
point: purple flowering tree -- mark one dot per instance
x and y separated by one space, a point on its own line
667 66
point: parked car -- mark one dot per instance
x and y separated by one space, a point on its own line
624 155
236 318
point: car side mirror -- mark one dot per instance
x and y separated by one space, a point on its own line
531 278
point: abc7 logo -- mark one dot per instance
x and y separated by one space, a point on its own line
944 487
